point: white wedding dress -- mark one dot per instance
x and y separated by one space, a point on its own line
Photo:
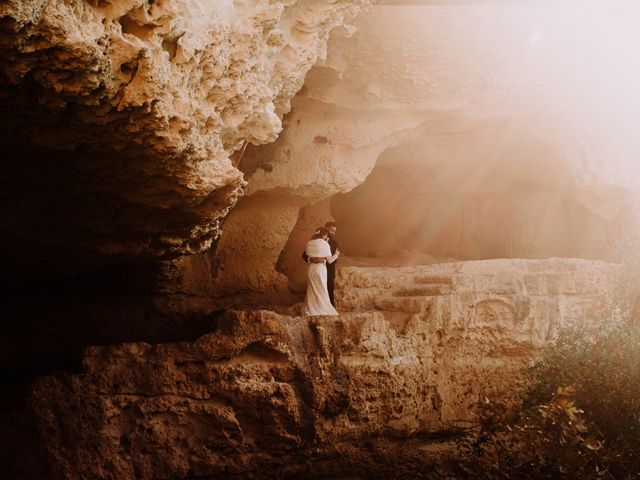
317 301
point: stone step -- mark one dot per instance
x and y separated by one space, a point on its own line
402 304
430 290
398 321
433 279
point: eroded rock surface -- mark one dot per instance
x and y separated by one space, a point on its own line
466 130
268 395
121 119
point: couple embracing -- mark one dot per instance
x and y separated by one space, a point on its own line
321 253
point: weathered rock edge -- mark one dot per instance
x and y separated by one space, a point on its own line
124 120
267 395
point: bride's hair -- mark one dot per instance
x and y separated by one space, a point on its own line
320 232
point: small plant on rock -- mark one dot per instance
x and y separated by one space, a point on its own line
579 418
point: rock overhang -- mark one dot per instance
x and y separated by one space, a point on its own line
121 119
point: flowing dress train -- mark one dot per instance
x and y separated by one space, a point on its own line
317 301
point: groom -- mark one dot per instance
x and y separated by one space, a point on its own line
331 267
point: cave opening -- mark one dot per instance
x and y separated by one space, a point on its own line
472 190
465 188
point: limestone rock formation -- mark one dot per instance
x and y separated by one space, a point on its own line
123 120
471 129
267 394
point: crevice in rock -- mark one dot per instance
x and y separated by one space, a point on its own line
132 27
170 45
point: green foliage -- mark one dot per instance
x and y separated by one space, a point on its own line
580 417
604 372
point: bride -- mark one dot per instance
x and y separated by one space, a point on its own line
319 253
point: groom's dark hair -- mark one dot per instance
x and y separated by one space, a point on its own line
320 232
330 224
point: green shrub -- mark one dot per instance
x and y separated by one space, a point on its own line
579 418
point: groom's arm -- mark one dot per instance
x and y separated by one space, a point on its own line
334 246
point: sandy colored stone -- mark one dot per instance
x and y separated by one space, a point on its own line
247 253
267 394
475 130
123 121
458 77
476 207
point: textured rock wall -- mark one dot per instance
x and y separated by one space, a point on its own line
268 395
468 117
131 129
121 119
252 242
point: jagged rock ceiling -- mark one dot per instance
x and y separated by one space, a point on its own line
120 119
126 122
557 70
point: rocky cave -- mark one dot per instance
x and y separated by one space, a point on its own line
165 162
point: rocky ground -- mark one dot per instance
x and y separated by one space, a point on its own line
390 381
